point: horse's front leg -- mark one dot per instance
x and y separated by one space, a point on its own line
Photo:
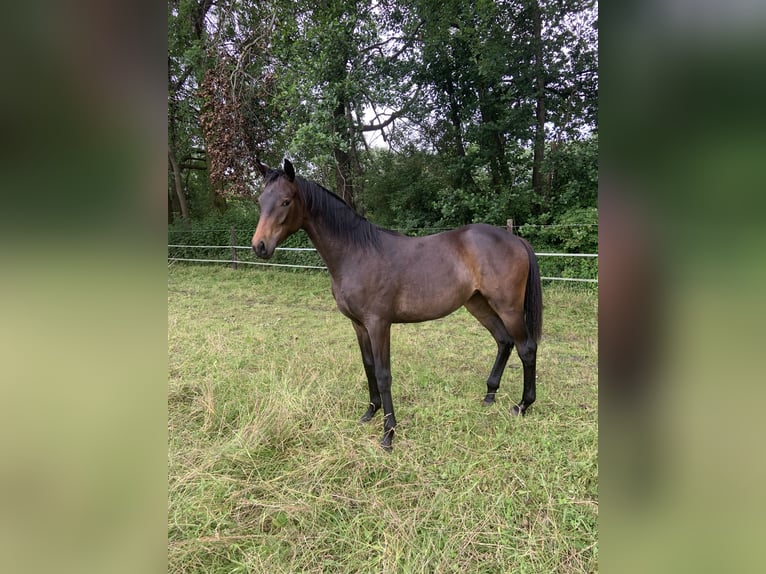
369 369
380 341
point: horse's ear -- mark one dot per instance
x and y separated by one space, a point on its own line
289 170
261 167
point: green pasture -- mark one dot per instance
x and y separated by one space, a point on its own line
269 470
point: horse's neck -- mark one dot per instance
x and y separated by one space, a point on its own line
327 222
335 252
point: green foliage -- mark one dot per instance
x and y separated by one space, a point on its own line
401 189
574 231
215 228
579 230
574 174
460 206
415 189
212 230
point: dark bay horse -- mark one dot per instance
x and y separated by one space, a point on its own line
380 277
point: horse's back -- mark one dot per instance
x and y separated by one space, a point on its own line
463 255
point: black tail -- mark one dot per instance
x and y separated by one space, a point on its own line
533 299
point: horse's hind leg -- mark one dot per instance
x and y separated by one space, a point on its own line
369 369
526 347
479 308
528 354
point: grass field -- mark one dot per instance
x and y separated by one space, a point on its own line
269 470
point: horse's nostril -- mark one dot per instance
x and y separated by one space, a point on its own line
260 249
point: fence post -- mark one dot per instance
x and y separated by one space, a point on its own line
509 224
233 248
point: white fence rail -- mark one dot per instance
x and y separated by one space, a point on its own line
235 260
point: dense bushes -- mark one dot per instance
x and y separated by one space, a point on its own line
574 231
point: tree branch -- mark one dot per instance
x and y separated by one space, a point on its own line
564 93
406 39
394 116
182 79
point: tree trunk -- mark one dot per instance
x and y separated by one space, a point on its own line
344 173
492 142
538 183
171 208
355 163
454 117
464 179
179 189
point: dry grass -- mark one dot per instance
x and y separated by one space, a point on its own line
270 472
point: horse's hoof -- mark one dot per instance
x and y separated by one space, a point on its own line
367 417
488 402
516 410
388 438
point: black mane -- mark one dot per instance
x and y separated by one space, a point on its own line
338 216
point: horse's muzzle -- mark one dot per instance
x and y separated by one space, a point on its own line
261 251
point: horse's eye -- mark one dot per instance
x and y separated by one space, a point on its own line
285 203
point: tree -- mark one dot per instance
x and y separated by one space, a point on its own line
501 77
564 69
186 37
343 58
490 93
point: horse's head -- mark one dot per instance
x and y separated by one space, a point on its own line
282 209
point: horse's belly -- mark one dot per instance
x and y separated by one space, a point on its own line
419 292
424 302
